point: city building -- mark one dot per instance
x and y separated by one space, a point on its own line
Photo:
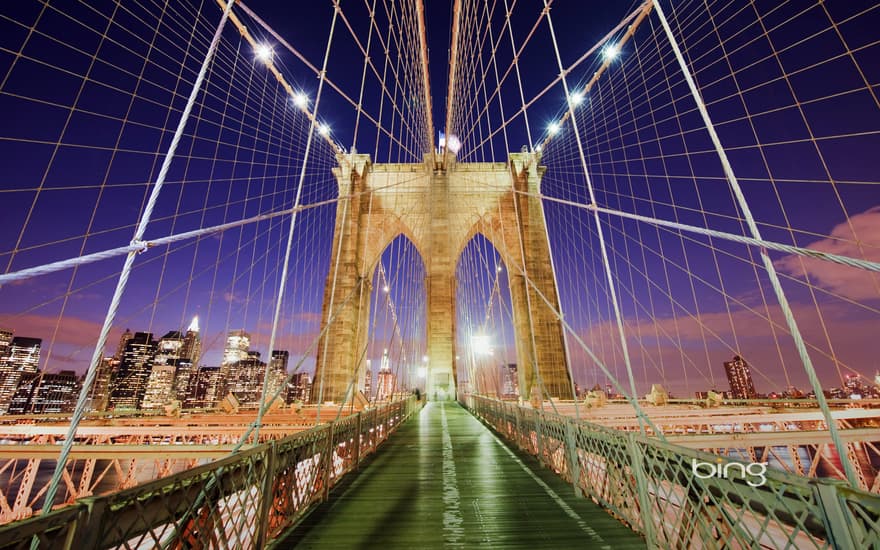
168 349
368 379
99 394
206 389
509 381
41 393
184 378
245 380
739 376
22 357
238 343
192 343
160 387
299 388
385 380
135 367
5 342
187 368
856 387
277 372
123 341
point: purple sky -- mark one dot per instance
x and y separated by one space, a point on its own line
800 126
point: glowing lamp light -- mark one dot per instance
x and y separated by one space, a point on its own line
539 148
576 98
301 100
481 344
263 52
422 372
386 288
324 130
498 269
610 52
453 145
553 128
424 358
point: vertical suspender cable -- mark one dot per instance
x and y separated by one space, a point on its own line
79 410
284 269
602 248
840 447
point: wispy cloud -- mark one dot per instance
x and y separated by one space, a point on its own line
74 342
671 350
859 237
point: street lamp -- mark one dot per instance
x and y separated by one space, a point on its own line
263 52
610 52
301 100
481 344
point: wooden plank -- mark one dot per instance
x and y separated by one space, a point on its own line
453 483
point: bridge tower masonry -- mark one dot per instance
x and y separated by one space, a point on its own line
440 207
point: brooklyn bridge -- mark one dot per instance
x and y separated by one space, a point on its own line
396 273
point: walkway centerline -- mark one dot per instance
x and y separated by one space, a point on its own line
445 480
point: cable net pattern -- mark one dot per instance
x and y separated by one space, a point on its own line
707 181
197 144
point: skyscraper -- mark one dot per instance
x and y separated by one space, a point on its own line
192 343
22 357
205 389
41 393
739 376
368 379
277 372
123 341
509 381
385 380
168 349
299 388
187 369
99 394
245 380
134 371
160 387
238 343
5 342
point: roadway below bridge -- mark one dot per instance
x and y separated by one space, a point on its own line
445 480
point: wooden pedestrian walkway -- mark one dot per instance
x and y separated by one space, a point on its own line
445 480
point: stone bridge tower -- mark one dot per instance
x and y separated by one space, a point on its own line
440 211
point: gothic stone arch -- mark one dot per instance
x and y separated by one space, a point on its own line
440 211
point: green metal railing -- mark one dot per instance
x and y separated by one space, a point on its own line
654 488
245 500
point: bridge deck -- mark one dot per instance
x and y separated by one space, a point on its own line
445 480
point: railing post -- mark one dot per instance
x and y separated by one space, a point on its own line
374 434
833 514
267 489
539 445
574 464
357 446
518 426
88 525
328 461
637 466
